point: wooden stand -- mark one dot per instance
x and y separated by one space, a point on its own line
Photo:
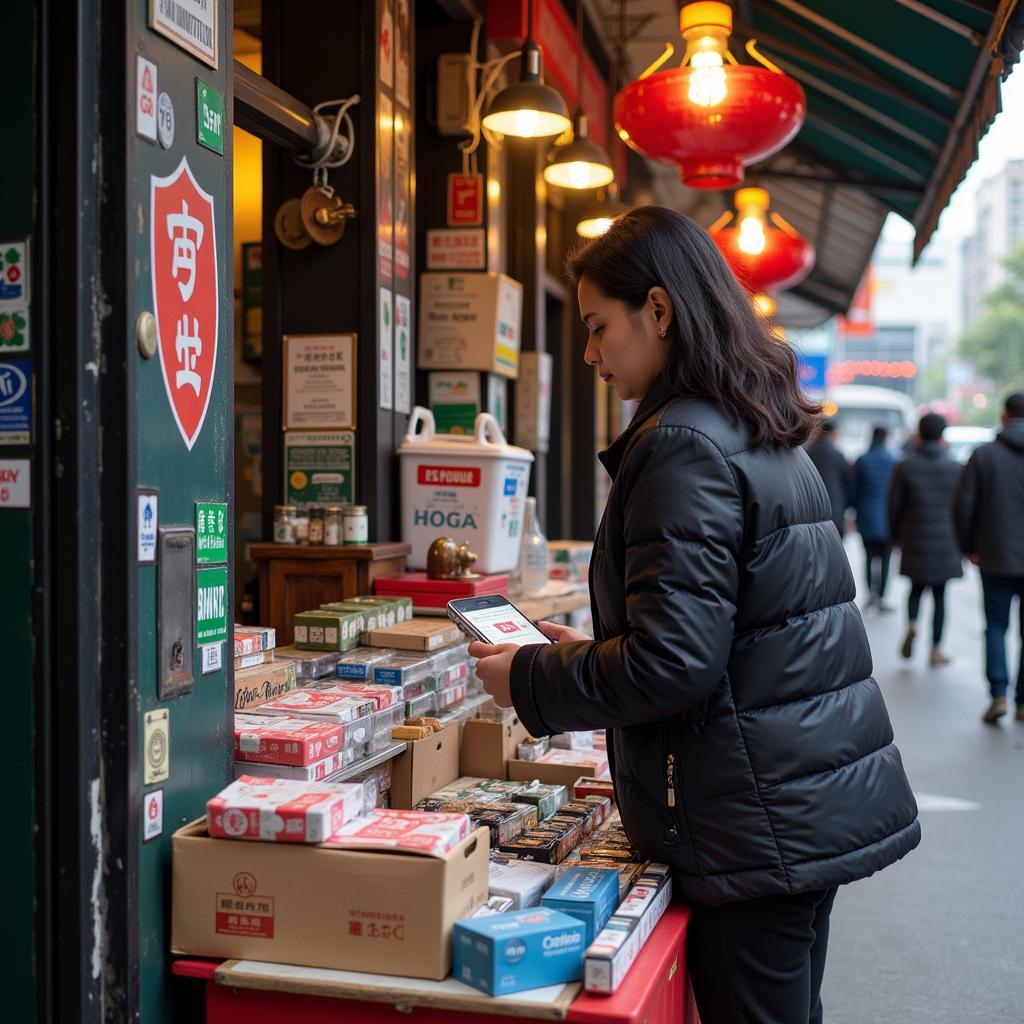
297 578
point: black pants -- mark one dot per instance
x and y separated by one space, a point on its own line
882 550
939 598
760 961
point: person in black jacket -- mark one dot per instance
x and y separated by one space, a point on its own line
834 471
749 745
921 524
989 511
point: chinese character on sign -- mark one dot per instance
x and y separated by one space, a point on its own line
180 228
183 265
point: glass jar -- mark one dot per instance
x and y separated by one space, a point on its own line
301 525
284 524
357 525
316 526
333 524
533 555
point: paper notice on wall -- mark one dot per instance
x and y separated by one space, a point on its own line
403 354
385 348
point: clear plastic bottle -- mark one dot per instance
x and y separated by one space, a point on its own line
533 555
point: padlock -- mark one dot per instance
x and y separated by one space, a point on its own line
288 225
324 214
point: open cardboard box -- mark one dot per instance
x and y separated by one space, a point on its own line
323 906
425 767
488 745
550 774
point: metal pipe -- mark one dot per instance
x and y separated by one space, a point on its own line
269 112
944 20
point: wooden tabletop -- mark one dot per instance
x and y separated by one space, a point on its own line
357 552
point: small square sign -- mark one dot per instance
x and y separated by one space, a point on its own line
156 746
15 483
213 658
15 401
147 525
211 532
209 117
465 200
14 272
145 98
152 815
211 606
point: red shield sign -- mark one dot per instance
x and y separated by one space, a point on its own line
183 259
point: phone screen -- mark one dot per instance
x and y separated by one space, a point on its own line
502 624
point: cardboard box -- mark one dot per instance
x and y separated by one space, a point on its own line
315 771
550 774
519 950
309 665
588 894
328 631
522 881
426 765
256 686
416 635
251 639
470 322
488 747
252 660
321 906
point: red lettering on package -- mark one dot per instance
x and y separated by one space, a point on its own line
449 476
247 916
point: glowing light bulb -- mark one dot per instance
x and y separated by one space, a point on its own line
751 238
595 227
707 79
579 175
526 123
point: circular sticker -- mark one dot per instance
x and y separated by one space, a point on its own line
157 750
165 120
515 950
235 822
299 480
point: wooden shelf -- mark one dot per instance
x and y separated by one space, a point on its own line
357 552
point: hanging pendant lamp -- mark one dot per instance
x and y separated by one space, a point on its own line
598 216
581 164
529 109
764 251
711 116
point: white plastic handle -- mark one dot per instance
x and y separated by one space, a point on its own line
420 417
488 431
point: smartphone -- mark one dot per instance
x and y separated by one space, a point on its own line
495 620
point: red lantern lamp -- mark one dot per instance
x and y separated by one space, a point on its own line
711 116
765 252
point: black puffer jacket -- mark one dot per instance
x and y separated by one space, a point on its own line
921 514
751 748
989 504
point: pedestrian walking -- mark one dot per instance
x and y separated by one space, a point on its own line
833 469
869 495
750 746
989 512
921 525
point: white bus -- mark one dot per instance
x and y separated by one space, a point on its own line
857 409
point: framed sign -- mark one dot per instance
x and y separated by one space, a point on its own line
190 24
319 381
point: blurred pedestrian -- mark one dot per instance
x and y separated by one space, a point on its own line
989 512
869 495
921 525
833 469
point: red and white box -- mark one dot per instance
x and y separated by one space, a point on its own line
316 771
253 639
332 704
383 696
281 810
595 760
415 831
267 739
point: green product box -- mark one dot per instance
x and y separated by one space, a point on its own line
328 631
373 617
399 609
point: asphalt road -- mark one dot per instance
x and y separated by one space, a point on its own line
938 938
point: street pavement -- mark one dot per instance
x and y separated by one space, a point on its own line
938 938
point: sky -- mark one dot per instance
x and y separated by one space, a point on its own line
1004 141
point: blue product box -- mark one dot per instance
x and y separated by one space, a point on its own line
588 894
518 950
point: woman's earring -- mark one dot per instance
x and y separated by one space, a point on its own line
661 332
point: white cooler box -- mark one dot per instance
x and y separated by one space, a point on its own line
472 489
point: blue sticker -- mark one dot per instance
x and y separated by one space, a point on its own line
15 401
510 487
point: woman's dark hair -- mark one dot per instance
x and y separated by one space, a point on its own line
721 348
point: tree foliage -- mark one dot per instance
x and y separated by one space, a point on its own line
994 343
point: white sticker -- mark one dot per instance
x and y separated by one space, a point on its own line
403 354
152 815
385 354
145 98
165 120
15 483
213 658
147 524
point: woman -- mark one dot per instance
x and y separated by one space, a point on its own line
750 747
921 524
